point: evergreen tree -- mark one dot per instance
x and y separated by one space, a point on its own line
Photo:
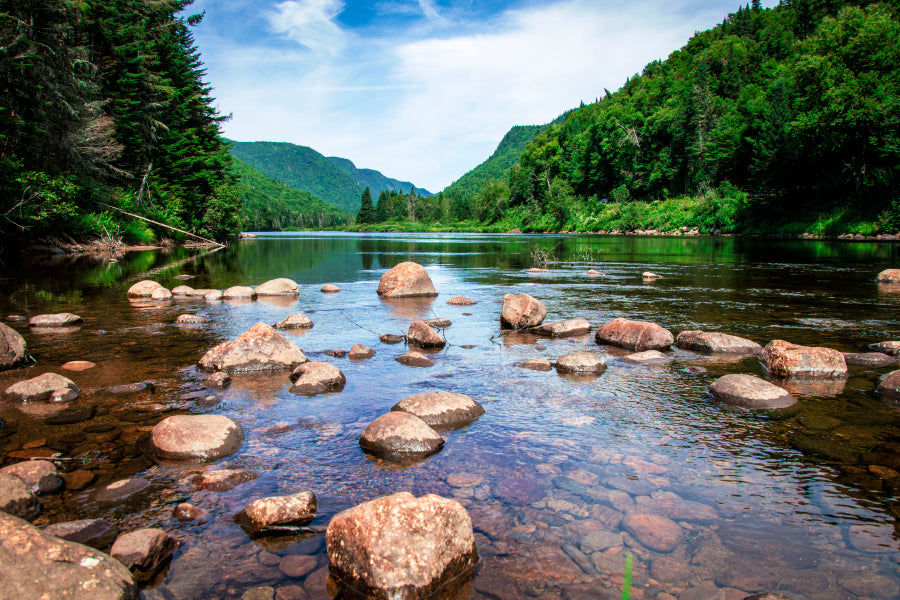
366 212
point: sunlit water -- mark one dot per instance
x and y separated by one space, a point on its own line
806 504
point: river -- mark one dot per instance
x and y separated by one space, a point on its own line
806 504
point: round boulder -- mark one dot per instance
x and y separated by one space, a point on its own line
521 311
400 546
713 342
182 290
143 289
442 410
422 335
43 388
213 296
40 476
330 288
55 320
239 292
161 293
634 335
278 287
784 359
891 348
415 359
16 499
360 352
196 437
580 362
750 391
280 511
295 321
312 378
889 276
259 349
889 387
12 348
400 436
406 280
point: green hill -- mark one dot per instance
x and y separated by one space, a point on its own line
272 206
376 181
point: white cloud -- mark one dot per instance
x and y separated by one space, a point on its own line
311 23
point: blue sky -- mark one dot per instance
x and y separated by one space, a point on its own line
423 90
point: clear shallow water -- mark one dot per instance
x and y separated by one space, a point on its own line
791 504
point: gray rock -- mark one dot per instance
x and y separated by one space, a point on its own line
16 499
312 378
570 327
442 410
580 362
713 342
95 533
400 436
259 349
750 391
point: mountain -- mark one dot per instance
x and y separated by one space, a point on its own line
336 181
375 180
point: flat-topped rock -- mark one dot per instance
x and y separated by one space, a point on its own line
312 378
646 357
870 359
569 327
189 320
415 359
634 335
278 287
891 348
400 546
280 511
95 533
400 436
55 320
40 476
750 391
406 280
239 292
422 335
143 551
223 480
259 349
13 348
213 296
143 289
713 342
442 410
536 364
521 311
581 362
78 365
43 388
653 531
360 352
196 437
438 323
295 321
16 499
784 359
889 387
888 276
461 301
34 564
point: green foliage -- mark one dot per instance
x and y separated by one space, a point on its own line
889 219
366 212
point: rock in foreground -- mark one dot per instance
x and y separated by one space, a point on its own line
750 391
317 377
259 349
360 352
12 348
281 511
415 359
43 388
406 280
196 437
713 342
634 335
784 359
40 476
400 437
422 335
37 565
442 410
15 498
400 546
56 320
143 551
521 311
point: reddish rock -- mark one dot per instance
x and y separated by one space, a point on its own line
78 479
36 565
646 357
570 327
415 359
518 490
420 334
280 511
295 321
749 391
360 352
461 301
329 288
95 533
188 512
672 506
239 292
891 348
783 359
888 276
118 491
297 565
143 289
143 551
634 335
259 349
13 349
278 287
521 311
889 387
442 410
223 480
213 296
15 497
312 378
161 293
869 584
536 364
653 531
43 388
40 476
78 365
406 280
400 436
182 290
400 546
581 362
218 380
196 437
870 359
713 342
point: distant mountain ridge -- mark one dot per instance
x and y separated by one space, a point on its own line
337 181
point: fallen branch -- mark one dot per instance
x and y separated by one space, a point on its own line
199 237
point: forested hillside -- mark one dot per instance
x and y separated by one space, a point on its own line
376 181
105 102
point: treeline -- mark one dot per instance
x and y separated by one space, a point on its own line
104 101
782 119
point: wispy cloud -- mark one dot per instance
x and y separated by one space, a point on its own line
311 23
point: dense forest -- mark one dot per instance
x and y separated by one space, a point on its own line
778 120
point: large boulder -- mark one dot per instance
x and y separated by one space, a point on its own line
12 348
750 391
889 387
400 436
521 311
442 410
55 320
34 564
634 335
400 546
144 551
43 388
569 327
95 533
15 497
889 276
239 292
278 287
312 378
784 359
422 335
406 280
580 362
196 437
259 349
143 289
280 511
40 476
713 342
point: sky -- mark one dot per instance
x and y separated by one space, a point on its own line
424 90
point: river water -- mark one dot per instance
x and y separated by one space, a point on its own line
806 503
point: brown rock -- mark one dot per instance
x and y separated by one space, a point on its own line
889 387
868 584
442 410
518 490
78 479
335 353
420 334
889 276
360 352
521 311
46 387
223 480
648 276
653 531
461 301
117 491
15 497
13 349
40 476
143 289
280 511
400 436
218 380
297 565
312 378
37 565
239 292
670 570
406 280
749 391
161 293
278 287
295 321
78 365
438 323
646 357
874 538
95 533
712 342
259 349
400 546
672 506
182 290
188 512
329 288
196 437
891 348
390 338
415 359
870 359
213 296
536 364
581 362
542 564
783 359
570 327
143 551
634 335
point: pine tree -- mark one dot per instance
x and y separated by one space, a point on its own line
366 212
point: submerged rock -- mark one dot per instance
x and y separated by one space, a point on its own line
422 335
34 564
400 436
653 531
784 359
143 551
218 380
317 377
634 335
196 437
43 388
400 546
259 349
461 301
521 311
143 289
750 391
95 533
714 342
55 320
581 362
223 480
442 410
280 511
406 280
536 364
569 327
295 321
13 348
278 287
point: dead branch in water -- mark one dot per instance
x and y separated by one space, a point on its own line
194 235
